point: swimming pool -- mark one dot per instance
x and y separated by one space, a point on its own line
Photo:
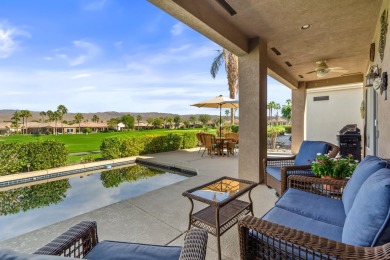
28 208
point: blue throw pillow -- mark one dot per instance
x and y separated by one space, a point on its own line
365 169
308 152
367 223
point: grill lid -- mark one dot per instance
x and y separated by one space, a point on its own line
350 130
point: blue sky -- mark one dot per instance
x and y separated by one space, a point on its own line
106 55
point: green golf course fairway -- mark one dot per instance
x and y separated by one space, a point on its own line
90 142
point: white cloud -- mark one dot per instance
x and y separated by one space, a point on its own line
81 75
95 5
8 42
83 89
180 48
89 52
177 29
48 58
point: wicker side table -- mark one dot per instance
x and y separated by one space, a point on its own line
224 208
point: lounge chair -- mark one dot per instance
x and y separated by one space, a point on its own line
81 241
276 170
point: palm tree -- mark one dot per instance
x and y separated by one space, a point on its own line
231 68
42 114
227 112
56 116
27 114
177 120
193 120
150 121
286 110
24 114
16 118
78 117
62 110
50 115
169 120
95 119
139 118
271 106
277 107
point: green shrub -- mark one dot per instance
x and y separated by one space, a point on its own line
189 141
46 154
40 155
132 146
111 148
12 158
278 129
114 147
87 130
287 128
235 128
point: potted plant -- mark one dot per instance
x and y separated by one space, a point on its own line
336 168
333 168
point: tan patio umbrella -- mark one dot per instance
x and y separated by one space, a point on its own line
218 102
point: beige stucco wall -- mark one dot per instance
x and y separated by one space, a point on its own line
325 118
383 105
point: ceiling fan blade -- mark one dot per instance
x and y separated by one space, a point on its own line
335 68
311 72
339 71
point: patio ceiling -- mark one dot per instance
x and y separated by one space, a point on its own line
341 32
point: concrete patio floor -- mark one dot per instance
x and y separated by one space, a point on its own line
159 216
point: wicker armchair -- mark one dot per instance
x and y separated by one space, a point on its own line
261 239
82 241
285 166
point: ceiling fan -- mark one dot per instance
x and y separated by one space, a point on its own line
322 69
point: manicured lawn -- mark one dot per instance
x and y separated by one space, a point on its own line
88 143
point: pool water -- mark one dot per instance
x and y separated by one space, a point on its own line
28 208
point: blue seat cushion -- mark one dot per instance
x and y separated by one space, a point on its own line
364 169
122 250
308 152
290 219
274 171
7 254
367 223
306 204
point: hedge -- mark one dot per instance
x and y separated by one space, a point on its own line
116 147
40 154
287 128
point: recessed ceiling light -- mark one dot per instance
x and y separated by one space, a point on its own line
305 26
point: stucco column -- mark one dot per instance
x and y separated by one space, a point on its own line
298 117
253 111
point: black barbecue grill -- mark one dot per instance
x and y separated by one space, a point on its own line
350 141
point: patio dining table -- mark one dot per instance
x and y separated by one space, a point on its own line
221 141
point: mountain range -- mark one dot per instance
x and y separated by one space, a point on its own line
6 114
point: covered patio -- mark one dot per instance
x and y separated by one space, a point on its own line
291 41
283 39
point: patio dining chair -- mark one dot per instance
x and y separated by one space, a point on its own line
276 170
81 241
232 144
211 145
199 137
